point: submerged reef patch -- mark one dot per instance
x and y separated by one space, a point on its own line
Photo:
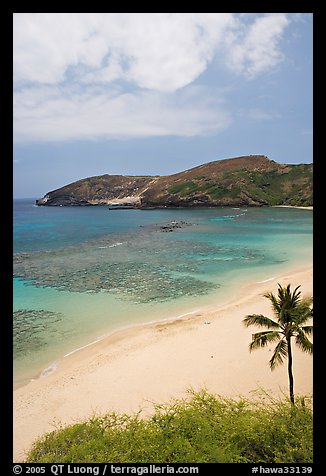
32 329
143 266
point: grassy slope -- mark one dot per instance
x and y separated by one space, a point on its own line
248 180
205 429
270 187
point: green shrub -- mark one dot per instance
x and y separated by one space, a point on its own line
206 428
184 188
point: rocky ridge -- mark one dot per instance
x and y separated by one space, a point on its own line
241 181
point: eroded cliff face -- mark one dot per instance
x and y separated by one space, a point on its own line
241 181
99 190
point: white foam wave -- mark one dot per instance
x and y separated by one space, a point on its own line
84 346
227 217
49 370
115 244
111 246
266 280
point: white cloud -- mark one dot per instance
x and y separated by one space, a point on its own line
257 114
255 48
158 51
90 75
69 114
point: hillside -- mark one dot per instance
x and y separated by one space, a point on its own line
242 181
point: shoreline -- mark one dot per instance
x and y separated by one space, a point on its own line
153 362
294 206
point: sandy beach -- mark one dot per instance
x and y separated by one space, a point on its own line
132 368
294 206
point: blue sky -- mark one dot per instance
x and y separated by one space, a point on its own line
154 94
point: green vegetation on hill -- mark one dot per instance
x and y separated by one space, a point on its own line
266 187
207 428
248 181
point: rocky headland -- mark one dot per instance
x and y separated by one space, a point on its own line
252 180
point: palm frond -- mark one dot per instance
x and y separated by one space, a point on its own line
284 302
302 313
292 313
303 342
261 339
286 297
260 320
275 304
308 329
280 352
295 297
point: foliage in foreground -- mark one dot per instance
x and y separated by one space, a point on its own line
206 428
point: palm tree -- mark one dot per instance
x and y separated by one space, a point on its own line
292 312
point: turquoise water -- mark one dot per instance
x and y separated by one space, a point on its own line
82 272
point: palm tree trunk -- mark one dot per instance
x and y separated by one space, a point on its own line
290 370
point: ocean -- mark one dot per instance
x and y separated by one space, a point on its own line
81 273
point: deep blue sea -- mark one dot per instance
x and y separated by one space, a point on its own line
83 272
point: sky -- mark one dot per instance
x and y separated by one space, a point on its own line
156 93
